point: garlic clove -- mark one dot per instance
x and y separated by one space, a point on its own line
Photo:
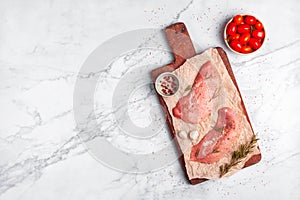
194 135
182 134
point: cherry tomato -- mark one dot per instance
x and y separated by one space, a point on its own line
231 28
246 49
245 38
254 43
258 25
250 20
238 19
243 28
259 34
236 45
234 37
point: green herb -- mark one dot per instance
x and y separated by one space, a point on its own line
197 152
216 151
252 29
188 88
220 129
238 155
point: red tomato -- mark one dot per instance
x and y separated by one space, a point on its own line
243 28
246 49
245 38
258 25
231 28
254 43
234 37
236 45
259 34
238 19
250 20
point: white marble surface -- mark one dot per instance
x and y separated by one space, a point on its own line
43 45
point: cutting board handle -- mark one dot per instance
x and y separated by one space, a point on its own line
180 43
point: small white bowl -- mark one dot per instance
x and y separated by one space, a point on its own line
166 81
225 36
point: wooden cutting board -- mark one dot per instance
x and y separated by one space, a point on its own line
182 48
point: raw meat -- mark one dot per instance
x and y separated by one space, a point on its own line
196 106
219 140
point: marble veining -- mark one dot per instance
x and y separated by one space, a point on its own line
45 43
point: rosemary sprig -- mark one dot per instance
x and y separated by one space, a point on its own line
238 155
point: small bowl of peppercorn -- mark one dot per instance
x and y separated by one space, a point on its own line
167 84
